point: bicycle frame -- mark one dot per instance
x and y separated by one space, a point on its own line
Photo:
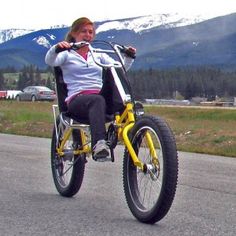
150 160
124 122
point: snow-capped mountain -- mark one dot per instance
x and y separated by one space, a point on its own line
136 24
42 40
143 23
9 34
161 41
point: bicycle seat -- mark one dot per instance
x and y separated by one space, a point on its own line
68 119
61 89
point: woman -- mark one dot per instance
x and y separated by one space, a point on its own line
83 78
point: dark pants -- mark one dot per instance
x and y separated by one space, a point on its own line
94 107
90 108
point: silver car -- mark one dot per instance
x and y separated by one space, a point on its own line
36 93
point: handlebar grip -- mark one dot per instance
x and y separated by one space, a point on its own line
74 46
57 50
79 45
128 52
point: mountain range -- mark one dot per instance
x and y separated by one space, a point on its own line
162 41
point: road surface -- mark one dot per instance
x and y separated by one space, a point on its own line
205 202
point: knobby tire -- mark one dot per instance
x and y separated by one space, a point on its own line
162 189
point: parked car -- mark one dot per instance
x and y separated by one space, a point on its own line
36 93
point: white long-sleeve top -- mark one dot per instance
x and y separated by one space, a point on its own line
80 74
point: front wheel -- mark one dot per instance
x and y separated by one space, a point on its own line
150 192
67 170
33 98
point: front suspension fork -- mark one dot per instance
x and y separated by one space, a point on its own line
128 144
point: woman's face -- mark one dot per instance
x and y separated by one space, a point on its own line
86 33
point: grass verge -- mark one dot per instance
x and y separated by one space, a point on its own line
201 130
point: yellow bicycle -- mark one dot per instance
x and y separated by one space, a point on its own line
150 163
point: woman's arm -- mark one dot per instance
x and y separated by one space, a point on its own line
55 59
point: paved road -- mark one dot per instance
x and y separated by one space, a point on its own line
205 202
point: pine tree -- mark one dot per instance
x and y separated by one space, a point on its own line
2 81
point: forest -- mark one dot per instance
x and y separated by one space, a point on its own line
178 83
10 78
185 83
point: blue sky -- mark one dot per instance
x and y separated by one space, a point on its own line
40 14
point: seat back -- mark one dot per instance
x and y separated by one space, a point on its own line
61 89
109 92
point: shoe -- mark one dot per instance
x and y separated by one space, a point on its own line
101 151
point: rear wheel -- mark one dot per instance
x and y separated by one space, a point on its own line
67 170
150 193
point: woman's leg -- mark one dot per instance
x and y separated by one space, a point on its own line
112 97
90 107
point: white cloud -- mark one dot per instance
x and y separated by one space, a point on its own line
36 14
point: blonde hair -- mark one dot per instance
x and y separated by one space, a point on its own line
76 26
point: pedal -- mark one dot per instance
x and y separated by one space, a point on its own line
102 158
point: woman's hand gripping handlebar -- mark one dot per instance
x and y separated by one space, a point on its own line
63 46
128 51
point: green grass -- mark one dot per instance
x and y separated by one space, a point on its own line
201 130
26 118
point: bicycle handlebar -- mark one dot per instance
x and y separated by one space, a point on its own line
116 49
74 46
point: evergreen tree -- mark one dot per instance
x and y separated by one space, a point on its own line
49 83
2 81
21 82
38 78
